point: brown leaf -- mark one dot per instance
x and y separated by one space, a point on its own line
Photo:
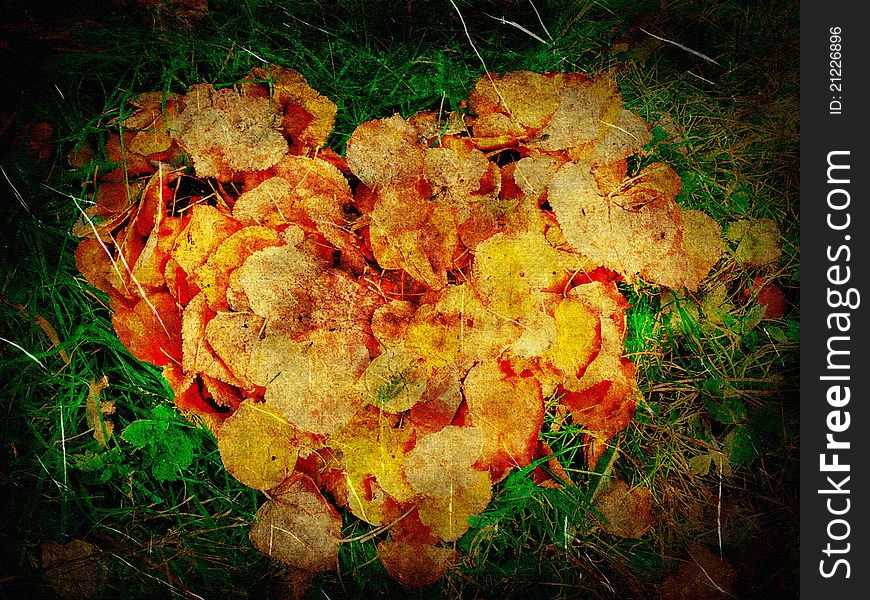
440 463
757 241
308 116
72 569
299 527
226 133
385 152
316 386
627 512
407 231
96 410
213 276
697 247
629 231
702 575
509 411
447 517
415 564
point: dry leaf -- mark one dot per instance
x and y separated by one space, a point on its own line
415 564
703 575
629 231
440 463
72 569
385 152
509 411
511 270
96 410
226 133
299 528
308 116
447 517
627 512
757 241
257 445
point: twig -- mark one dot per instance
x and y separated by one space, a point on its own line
680 46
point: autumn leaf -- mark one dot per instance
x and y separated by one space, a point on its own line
207 229
512 270
150 327
273 279
698 248
316 386
441 463
508 410
415 564
603 397
152 120
383 329
299 527
257 445
447 516
395 380
373 451
510 105
73 569
410 232
308 116
757 241
627 512
97 411
630 230
385 152
577 339
225 132
213 276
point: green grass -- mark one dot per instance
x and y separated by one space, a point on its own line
717 392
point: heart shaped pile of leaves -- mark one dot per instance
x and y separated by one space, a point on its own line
386 326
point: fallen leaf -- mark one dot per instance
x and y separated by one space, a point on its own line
308 116
770 296
509 411
512 270
702 575
630 231
415 564
299 528
316 387
757 241
385 152
440 464
150 328
73 569
627 512
447 517
97 410
226 133
257 445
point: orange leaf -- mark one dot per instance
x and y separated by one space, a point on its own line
151 328
509 411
